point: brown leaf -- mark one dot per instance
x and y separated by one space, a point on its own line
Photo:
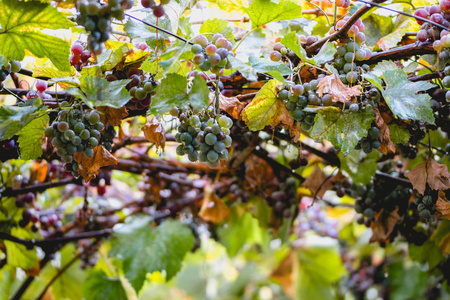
317 182
88 167
213 208
431 172
112 115
385 135
34 271
231 105
444 244
283 273
443 205
258 172
308 73
332 85
39 171
383 225
155 133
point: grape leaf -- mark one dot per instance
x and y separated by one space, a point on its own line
88 167
40 71
265 109
407 281
332 85
376 27
144 249
213 208
18 255
155 133
246 70
325 54
14 118
264 66
383 225
403 99
443 205
432 173
217 26
427 252
173 92
150 66
30 138
21 24
265 11
98 286
359 165
398 135
100 92
342 129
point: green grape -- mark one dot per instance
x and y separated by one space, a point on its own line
219 147
193 156
76 140
84 135
298 114
309 119
375 145
69 134
107 145
79 126
227 141
369 213
95 133
360 55
223 154
210 122
204 148
196 48
57 143
210 139
341 50
314 84
71 149
374 132
15 66
180 150
75 166
348 57
194 121
50 132
94 117
63 126
202 157
212 156
99 126
352 46
132 91
352 77
427 200
215 129
80 148
339 62
306 126
224 121
354 107
92 141
61 151
186 138
67 158
348 67
226 131
283 94
188 149
140 94
88 152
425 214
174 111
214 164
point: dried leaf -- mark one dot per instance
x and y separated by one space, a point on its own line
431 172
213 208
443 205
39 171
231 105
332 85
112 115
88 167
155 133
385 134
258 172
317 182
283 273
383 225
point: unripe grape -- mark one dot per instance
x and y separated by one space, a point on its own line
201 40
212 156
94 117
275 56
210 139
63 126
211 49
88 152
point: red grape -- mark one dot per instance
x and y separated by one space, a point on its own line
147 3
422 35
435 9
77 49
41 85
438 18
421 13
158 11
445 5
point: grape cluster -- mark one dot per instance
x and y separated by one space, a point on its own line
12 66
345 62
41 86
74 132
301 96
280 52
107 137
284 198
158 10
426 205
9 150
203 138
88 251
315 219
370 142
141 89
212 55
238 192
79 56
96 16
439 14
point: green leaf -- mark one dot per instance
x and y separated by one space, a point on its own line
30 138
403 99
144 249
264 66
374 79
21 24
383 66
7 280
14 118
150 66
319 267
377 27
51 72
217 26
100 92
265 11
342 129
398 135
265 108
359 165
325 54
246 70
98 286
241 230
428 252
406 282
18 255
173 92
169 60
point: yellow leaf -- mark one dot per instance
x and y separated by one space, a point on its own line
155 132
213 208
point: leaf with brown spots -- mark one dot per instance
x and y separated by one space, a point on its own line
213 208
332 85
88 167
112 115
385 135
317 182
431 172
443 205
231 105
155 133
383 225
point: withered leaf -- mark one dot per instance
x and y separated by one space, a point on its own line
431 172
155 132
383 225
213 208
258 172
385 135
88 167
283 273
317 182
231 105
443 205
332 85
112 115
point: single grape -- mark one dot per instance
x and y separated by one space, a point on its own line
88 152
348 57
210 139
85 134
63 126
211 49
374 132
41 85
50 132
212 156
158 11
354 107
69 134
275 56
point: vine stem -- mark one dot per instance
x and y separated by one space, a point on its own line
240 42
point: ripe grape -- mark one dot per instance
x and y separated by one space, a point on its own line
158 11
41 85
